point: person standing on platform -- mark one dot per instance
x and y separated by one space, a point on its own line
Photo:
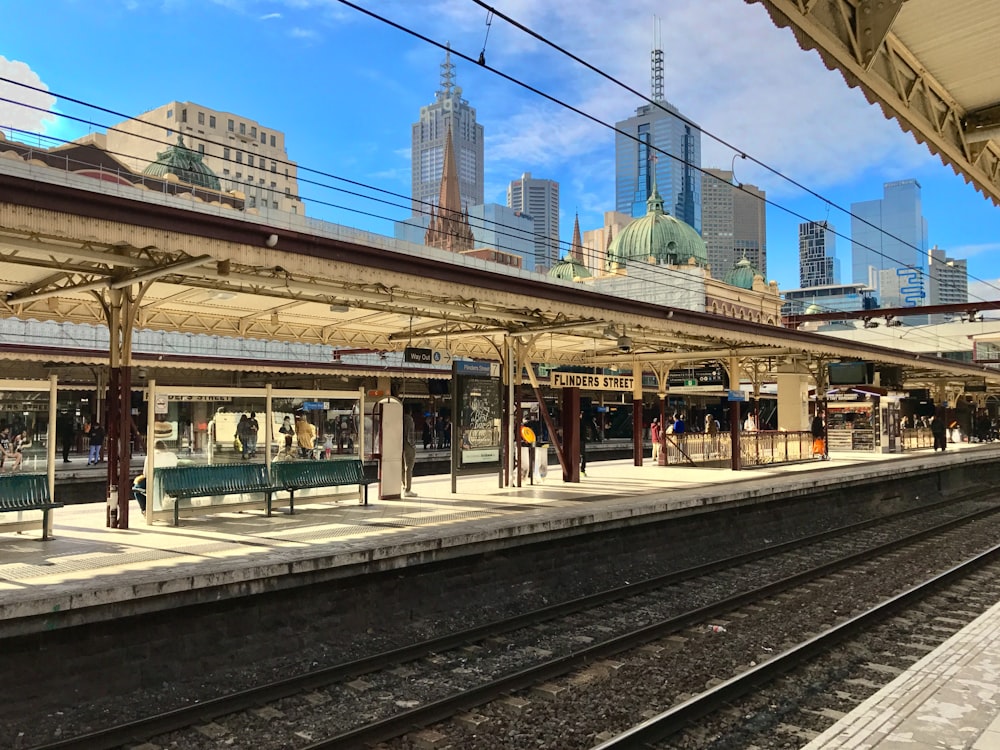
679 426
6 447
288 430
305 432
939 430
818 430
67 433
253 429
583 445
242 436
96 436
409 452
654 435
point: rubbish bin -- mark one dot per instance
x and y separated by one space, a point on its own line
541 463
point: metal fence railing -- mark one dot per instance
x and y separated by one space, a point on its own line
916 438
775 447
700 447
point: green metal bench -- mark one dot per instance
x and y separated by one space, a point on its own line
300 475
186 482
27 492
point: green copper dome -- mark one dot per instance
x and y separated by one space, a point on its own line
660 236
569 269
742 274
186 164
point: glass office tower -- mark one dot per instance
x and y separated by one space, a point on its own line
656 138
889 245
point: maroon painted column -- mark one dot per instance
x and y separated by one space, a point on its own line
572 442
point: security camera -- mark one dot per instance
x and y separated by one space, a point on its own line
272 240
624 343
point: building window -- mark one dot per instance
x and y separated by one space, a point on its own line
201 118
225 154
253 132
169 132
286 173
274 167
232 126
243 128
211 121
225 172
261 180
239 157
274 203
201 149
170 114
288 191
184 115
252 203
239 175
272 142
274 184
295 209
249 160
263 137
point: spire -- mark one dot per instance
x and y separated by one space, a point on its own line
654 204
449 198
576 246
656 73
447 74
449 226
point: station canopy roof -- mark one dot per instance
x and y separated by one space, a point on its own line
930 65
72 248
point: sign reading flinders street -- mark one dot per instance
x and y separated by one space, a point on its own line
592 381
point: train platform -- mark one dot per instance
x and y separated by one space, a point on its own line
88 572
949 699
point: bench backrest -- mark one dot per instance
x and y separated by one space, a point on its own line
23 491
218 479
301 474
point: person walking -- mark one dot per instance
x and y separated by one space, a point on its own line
409 452
96 443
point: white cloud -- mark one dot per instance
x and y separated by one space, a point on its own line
16 116
300 33
970 251
985 290
270 16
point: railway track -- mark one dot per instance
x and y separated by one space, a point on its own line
386 695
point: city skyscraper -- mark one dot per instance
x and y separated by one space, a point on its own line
538 199
949 278
889 245
733 223
243 154
656 138
449 110
818 265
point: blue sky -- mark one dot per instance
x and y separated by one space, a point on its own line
345 89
